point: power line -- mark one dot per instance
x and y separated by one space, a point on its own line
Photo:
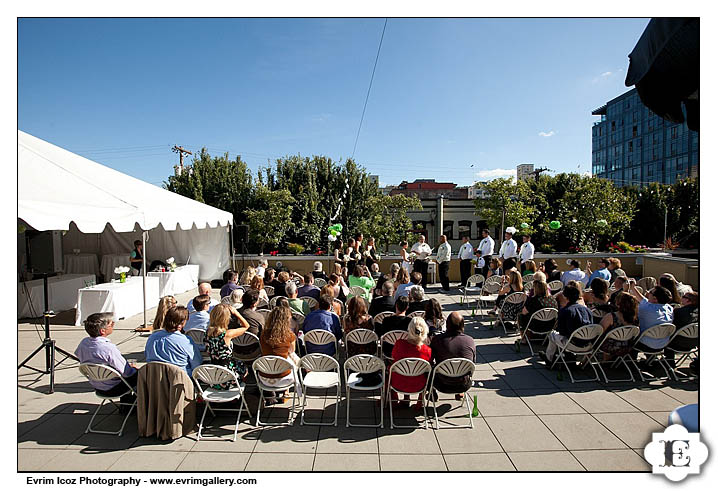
371 81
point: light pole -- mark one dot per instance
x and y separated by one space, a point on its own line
665 229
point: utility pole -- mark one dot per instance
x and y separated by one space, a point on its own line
537 172
181 151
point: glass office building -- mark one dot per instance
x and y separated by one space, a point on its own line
633 146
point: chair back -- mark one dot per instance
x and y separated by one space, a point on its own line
622 334
416 313
455 367
271 365
99 373
262 304
476 278
319 283
410 367
528 277
319 337
246 339
298 317
379 318
545 318
392 337
528 285
689 331
226 300
269 290
245 287
495 279
358 291
647 283
318 362
587 336
263 312
196 335
555 286
311 302
273 301
658 332
365 364
344 307
491 288
362 336
213 375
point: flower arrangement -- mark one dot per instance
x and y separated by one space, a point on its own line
273 253
625 247
122 271
320 252
171 262
295 248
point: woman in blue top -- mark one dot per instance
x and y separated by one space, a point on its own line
653 309
169 345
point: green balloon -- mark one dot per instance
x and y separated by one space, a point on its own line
602 222
333 232
339 227
554 225
524 225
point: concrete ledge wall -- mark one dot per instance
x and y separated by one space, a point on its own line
635 265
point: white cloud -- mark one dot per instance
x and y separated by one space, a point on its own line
606 74
546 135
320 118
494 173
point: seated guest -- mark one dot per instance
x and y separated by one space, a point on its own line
203 289
574 274
284 302
374 270
308 289
261 268
494 267
563 301
397 322
403 283
339 286
230 283
258 284
550 268
394 271
509 264
247 276
680 287
171 346
417 302
296 304
687 314
99 349
597 299
511 283
235 298
199 319
318 273
653 309
165 304
541 299
280 284
433 316
361 278
621 285
529 267
453 344
277 339
323 318
538 276
337 306
670 284
358 318
602 272
249 312
219 340
626 314
570 318
385 301
414 346
269 276
614 267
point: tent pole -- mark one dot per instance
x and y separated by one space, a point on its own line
231 244
144 277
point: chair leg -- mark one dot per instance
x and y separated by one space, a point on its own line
260 404
89 426
236 425
348 398
304 402
424 404
468 408
201 422
391 412
336 405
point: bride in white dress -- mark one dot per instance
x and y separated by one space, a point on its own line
405 259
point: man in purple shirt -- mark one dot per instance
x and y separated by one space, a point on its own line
99 349
308 289
230 283
323 318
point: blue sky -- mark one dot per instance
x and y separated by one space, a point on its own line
447 93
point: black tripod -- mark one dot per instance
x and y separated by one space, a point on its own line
48 343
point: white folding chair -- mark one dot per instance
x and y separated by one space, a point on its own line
489 293
379 318
269 290
527 278
211 376
342 305
477 279
528 285
360 365
311 302
587 337
298 317
319 283
510 309
319 337
102 373
416 313
243 341
273 301
322 373
556 286
541 323
660 331
647 282
626 334
390 338
358 291
274 365
688 333
226 300
408 367
363 336
452 368
263 312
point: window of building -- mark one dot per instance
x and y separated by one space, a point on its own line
464 229
613 126
649 171
635 116
480 225
630 158
630 146
600 130
448 229
673 149
674 132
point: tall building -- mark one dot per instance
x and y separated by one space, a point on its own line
633 146
524 171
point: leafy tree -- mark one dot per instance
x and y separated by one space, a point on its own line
270 220
386 219
505 196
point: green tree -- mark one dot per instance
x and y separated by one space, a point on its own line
270 220
386 218
504 199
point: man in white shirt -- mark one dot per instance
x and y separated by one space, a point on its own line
508 248
466 254
526 253
575 274
485 250
443 258
421 263
261 268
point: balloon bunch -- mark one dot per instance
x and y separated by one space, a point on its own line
334 231
602 223
554 225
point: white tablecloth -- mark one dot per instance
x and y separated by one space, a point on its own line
110 262
123 299
62 294
182 279
82 264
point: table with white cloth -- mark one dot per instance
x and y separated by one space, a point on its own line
182 279
61 293
82 264
110 262
122 299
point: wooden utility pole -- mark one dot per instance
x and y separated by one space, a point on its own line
537 172
181 151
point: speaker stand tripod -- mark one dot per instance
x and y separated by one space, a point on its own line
48 344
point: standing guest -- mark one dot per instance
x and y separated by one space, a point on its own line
296 304
219 339
308 289
199 318
550 268
99 349
249 312
203 289
421 263
350 253
370 255
485 251
261 268
339 258
653 309
358 318
626 314
574 274
433 316
526 253
136 259
230 283
602 272
258 284
570 318
453 344
406 260
171 346
414 346
670 285
508 247
385 301
362 278
277 339
165 304
466 255
417 303
614 267
359 248
323 318
248 275
318 273
527 268
443 259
